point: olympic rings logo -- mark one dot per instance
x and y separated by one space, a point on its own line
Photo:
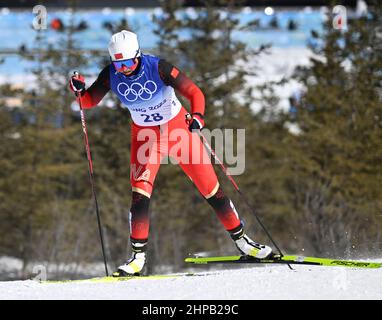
136 90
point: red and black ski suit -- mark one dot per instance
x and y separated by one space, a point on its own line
142 175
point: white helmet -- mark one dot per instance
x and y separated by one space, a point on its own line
124 45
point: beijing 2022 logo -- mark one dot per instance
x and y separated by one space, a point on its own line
134 91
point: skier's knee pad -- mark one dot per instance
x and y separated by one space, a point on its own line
143 187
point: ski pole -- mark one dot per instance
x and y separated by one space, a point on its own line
224 169
91 176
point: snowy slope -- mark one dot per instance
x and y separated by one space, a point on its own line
249 283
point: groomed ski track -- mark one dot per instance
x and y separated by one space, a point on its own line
247 283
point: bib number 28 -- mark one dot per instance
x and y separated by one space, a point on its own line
154 117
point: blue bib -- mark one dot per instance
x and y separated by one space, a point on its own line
148 99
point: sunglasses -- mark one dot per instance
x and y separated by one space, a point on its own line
121 63
128 63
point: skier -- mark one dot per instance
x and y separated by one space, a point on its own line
145 85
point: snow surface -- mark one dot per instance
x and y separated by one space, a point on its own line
249 283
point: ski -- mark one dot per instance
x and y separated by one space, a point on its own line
119 279
285 260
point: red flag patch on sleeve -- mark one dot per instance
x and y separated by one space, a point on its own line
174 72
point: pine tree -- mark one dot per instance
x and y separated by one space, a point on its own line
46 187
336 167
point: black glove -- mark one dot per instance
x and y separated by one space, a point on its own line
195 121
77 83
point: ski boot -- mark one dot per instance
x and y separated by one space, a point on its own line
250 248
133 266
